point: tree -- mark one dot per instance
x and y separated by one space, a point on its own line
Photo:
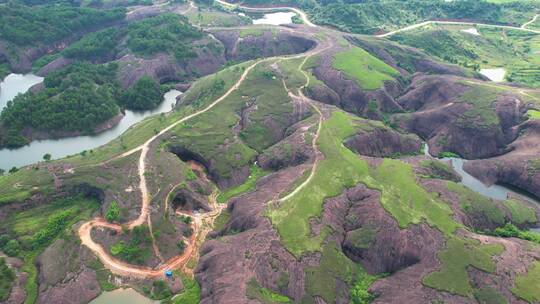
47 157
12 248
2 171
181 246
113 213
13 170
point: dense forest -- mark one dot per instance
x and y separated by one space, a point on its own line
22 26
75 99
100 45
165 33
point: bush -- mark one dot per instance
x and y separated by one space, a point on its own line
12 248
113 213
160 290
7 277
510 230
181 246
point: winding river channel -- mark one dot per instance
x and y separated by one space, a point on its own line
58 148
498 192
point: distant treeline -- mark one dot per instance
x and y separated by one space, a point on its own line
370 16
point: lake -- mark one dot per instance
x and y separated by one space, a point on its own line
276 18
495 75
14 84
59 148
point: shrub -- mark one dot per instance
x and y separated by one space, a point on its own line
113 213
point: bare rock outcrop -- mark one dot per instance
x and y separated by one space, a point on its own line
450 123
383 142
519 168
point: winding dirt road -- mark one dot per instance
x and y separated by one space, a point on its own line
419 25
124 269
315 138
533 20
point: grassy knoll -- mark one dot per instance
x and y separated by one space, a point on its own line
521 213
533 114
218 136
294 79
438 169
18 186
478 206
402 197
526 285
34 229
458 255
492 212
482 114
247 186
369 71
511 49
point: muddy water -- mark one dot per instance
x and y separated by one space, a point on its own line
276 18
59 148
498 192
122 296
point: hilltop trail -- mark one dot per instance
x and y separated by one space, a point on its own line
422 24
533 20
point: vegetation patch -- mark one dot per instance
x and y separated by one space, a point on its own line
488 295
341 168
31 231
24 26
191 292
526 285
369 72
482 113
478 206
458 255
249 185
137 249
512 50
533 114
265 296
440 170
214 135
7 277
321 281
510 230
521 213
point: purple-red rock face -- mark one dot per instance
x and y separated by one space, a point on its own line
519 168
441 118
382 142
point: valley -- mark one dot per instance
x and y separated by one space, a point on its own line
286 163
